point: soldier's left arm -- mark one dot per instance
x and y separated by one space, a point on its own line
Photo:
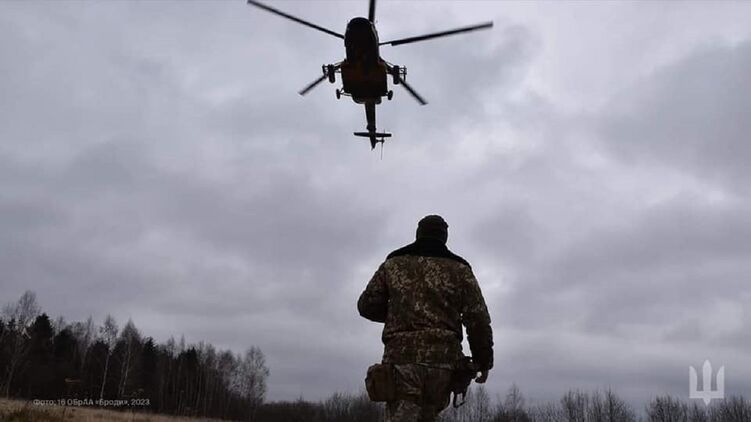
476 318
373 302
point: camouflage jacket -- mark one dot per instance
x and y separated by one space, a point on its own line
424 294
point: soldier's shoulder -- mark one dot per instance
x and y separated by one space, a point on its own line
403 251
459 259
414 251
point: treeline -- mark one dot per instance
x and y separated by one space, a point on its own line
41 359
574 406
337 408
599 406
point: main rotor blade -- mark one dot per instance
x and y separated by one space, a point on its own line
413 92
439 34
298 20
312 85
407 87
371 11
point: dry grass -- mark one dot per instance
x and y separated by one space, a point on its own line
27 411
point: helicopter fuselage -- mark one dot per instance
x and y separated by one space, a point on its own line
364 73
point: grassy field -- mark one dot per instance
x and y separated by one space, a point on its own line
27 411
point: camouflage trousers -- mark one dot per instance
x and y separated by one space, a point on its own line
422 392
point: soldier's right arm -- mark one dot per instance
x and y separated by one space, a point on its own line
476 318
373 302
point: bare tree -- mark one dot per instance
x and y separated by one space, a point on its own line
513 405
575 406
697 413
131 339
477 407
226 365
252 376
84 334
108 335
208 357
547 412
666 409
24 311
608 407
19 317
732 409
59 324
337 408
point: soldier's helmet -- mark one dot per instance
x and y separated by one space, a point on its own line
434 227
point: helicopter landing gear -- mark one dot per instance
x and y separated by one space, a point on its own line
395 73
338 94
389 95
331 72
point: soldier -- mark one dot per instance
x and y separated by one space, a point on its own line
424 293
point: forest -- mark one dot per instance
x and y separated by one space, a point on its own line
45 359
85 363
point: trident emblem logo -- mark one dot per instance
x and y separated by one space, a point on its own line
706 393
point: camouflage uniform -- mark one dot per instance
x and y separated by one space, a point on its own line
424 293
423 391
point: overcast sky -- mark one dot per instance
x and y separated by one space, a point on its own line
591 159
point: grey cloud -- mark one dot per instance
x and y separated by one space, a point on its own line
689 115
166 169
661 268
664 277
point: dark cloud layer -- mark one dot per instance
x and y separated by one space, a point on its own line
676 117
156 163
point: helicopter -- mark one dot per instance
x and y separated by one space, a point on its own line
364 73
